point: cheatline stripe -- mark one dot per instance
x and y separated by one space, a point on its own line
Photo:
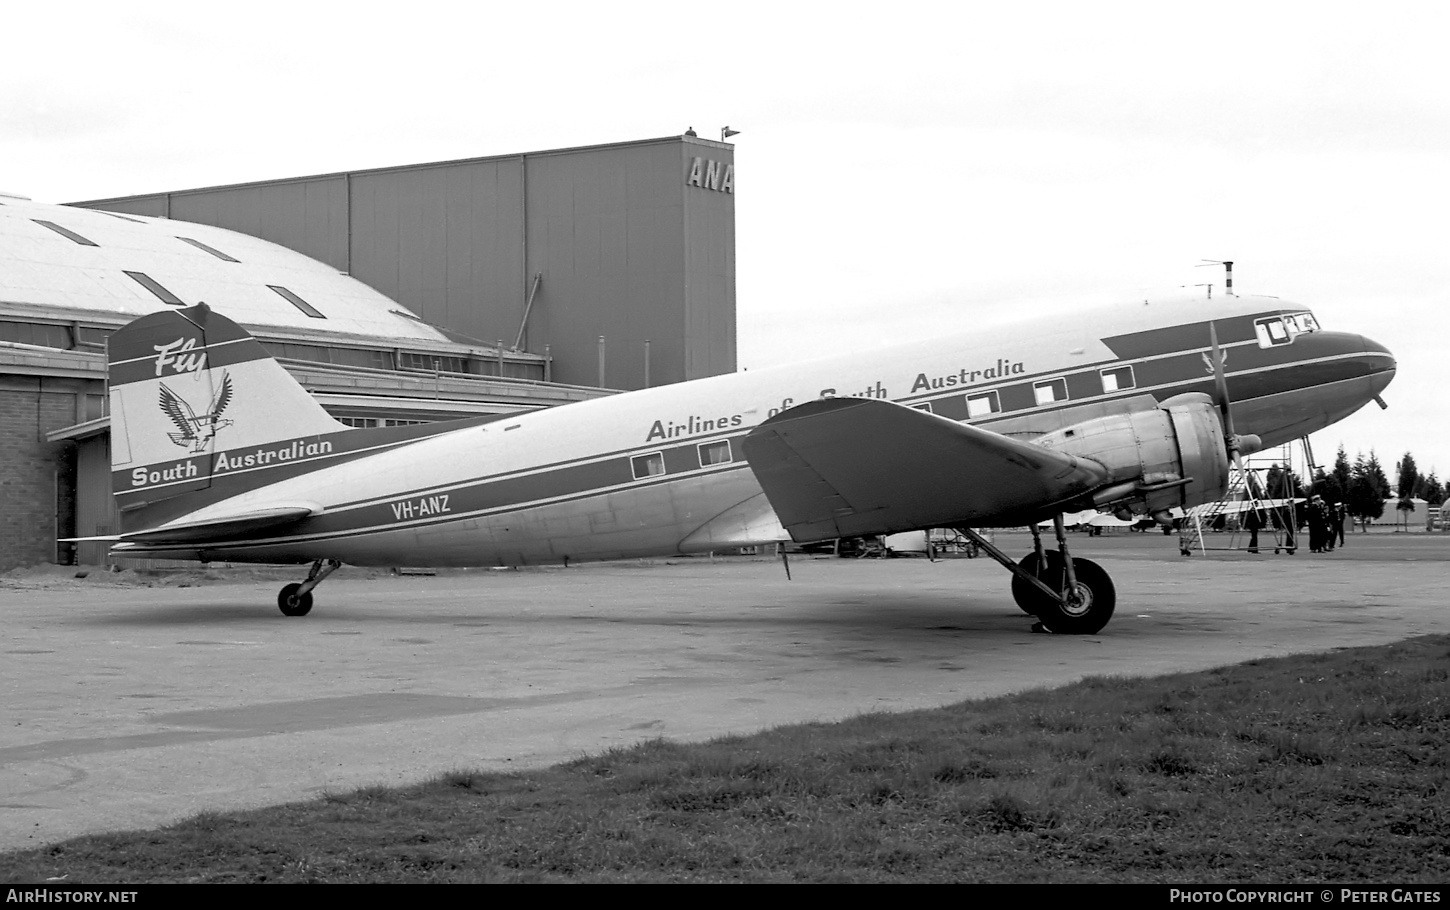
500 509
348 533
487 495
347 445
1191 380
1077 369
507 506
335 455
612 461
592 474
685 442
353 454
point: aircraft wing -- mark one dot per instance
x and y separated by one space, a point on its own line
1233 507
843 467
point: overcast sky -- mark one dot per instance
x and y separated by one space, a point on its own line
902 169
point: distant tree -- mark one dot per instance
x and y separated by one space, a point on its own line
1408 474
1368 490
1377 475
1328 486
1428 489
1342 471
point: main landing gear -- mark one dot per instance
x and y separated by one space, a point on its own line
296 599
1068 595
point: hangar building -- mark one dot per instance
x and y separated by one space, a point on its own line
549 252
69 277
397 295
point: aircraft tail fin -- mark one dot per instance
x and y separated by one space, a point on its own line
194 396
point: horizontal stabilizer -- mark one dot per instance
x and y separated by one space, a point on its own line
844 467
222 527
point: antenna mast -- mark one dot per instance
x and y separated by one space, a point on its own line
1228 274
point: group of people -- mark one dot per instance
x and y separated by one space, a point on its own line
1326 524
1325 521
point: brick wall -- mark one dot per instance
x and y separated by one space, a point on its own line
30 407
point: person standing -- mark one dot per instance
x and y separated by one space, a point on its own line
1286 520
1253 521
1336 530
1318 524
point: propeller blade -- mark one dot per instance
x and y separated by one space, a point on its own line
1237 445
1220 385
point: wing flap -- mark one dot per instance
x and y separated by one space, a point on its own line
843 467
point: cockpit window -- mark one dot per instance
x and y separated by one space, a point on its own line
1278 330
1300 323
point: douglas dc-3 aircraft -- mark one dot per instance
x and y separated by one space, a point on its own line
218 454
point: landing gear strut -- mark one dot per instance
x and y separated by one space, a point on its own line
1068 595
296 599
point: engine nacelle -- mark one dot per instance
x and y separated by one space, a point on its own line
1173 455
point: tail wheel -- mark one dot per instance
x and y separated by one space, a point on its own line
1088 608
1028 597
293 604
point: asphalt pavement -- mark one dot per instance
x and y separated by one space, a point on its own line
133 702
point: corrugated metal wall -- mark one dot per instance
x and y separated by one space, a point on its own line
627 248
710 266
606 232
309 216
444 241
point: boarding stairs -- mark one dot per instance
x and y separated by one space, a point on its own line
1227 515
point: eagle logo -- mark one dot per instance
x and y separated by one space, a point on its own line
1208 361
196 431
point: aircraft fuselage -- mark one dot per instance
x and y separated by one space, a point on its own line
661 470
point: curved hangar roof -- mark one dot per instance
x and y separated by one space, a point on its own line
85 264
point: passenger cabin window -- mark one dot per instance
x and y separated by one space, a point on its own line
1050 391
1117 379
714 453
1282 329
647 465
982 404
924 406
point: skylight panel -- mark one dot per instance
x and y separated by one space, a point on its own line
66 232
298 302
155 287
213 250
120 216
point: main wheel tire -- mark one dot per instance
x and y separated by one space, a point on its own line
293 604
1087 613
1027 595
